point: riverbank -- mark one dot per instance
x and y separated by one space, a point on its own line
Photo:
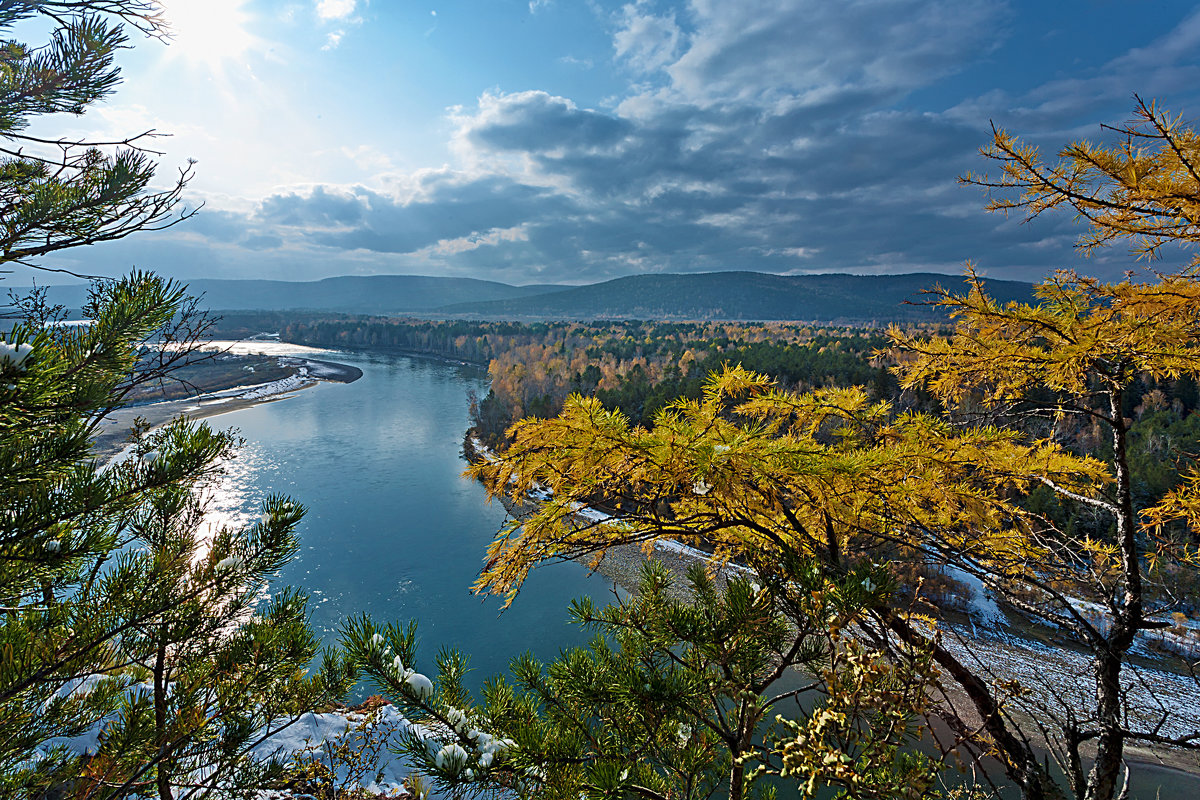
113 432
434 355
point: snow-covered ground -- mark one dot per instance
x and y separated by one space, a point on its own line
1055 678
267 347
980 604
315 736
310 737
291 383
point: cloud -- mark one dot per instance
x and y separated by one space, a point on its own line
646 41
1166 67
539 122
474 241
329 10
770 49
339 11
442 209
776 135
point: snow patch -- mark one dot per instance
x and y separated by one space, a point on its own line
980 604
312 734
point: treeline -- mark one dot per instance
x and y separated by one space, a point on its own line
635 366
479 342
244 324
639 367
826 360
1163 444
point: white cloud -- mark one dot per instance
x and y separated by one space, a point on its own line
367 157
328 10
491 238
646 41
333 39
534 5
768 49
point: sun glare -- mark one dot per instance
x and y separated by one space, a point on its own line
208 32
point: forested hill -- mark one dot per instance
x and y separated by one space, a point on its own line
732 296
843 299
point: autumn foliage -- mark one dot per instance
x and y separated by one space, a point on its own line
760 474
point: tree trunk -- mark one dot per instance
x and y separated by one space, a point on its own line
1110 744
1127 620
1020 762
747 722
162 774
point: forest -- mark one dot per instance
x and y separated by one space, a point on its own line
641 367
636 366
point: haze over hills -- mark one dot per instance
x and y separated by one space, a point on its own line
350 294
741 296
714 296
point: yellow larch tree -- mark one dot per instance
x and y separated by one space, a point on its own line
763 476
1076 353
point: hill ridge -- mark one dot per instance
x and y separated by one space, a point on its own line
733 295
741 295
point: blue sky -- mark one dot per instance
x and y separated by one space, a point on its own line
569 141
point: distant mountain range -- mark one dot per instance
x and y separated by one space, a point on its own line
350 294
830 298
740 296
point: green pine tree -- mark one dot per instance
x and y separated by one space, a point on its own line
57 193
137 657
681 694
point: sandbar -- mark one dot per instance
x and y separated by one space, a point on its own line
113 432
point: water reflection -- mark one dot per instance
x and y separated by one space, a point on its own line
393 529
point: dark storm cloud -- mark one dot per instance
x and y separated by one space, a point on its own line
363 219
540 121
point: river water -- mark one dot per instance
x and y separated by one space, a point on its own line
393 529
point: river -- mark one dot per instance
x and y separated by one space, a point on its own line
393 529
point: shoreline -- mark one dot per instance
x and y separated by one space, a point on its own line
111 440
111 437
